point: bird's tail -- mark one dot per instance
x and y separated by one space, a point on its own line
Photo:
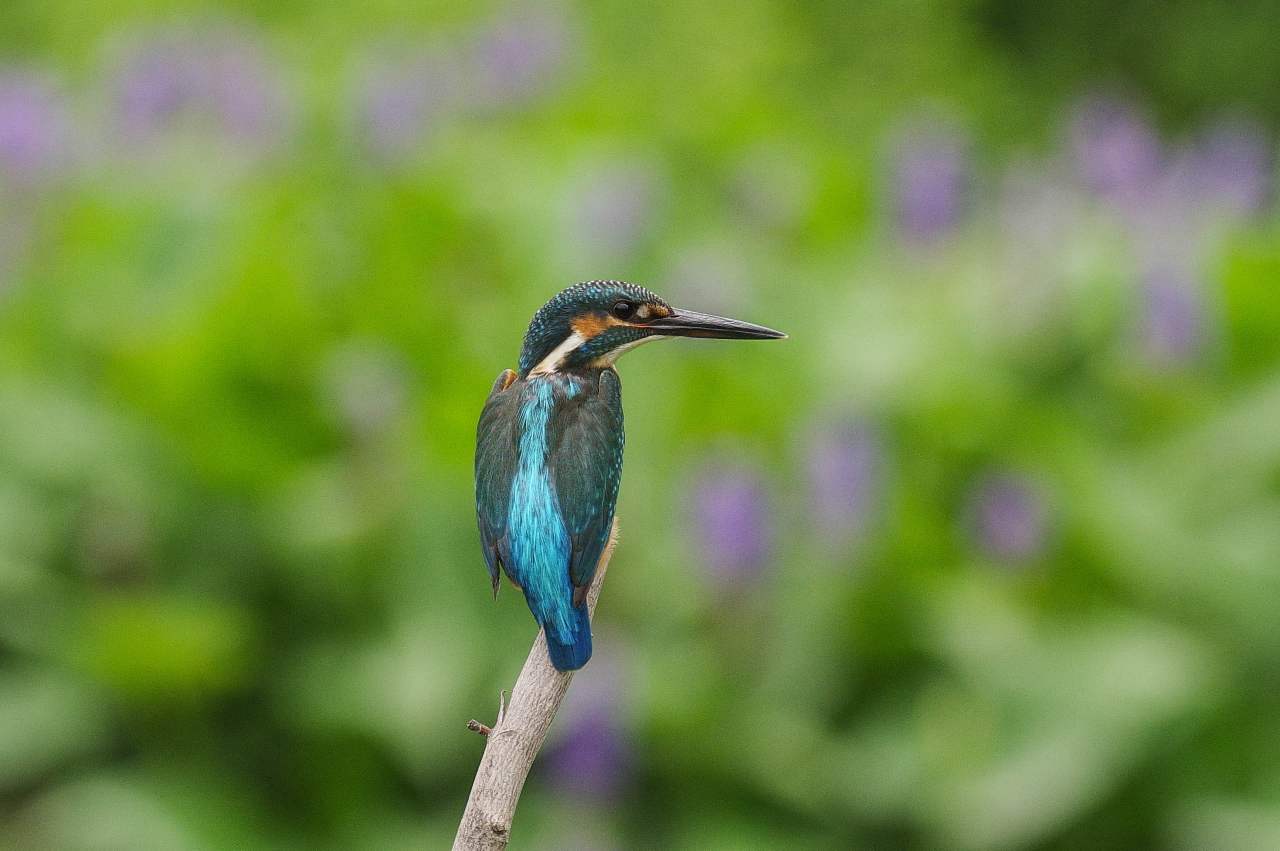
571 656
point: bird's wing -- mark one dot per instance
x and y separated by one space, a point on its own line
586 471
497 451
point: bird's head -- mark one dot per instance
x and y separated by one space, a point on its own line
593 323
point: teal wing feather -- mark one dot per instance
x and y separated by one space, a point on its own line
497 453
586 467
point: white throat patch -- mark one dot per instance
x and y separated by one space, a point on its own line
555 360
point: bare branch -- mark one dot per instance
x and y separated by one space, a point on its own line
516 737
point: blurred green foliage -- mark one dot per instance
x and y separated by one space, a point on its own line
260 262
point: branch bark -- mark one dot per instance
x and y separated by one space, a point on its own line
516 737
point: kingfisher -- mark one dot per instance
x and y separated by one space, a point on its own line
549 447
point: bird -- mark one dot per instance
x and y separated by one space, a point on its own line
549 444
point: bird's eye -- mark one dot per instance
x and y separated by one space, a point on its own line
624 309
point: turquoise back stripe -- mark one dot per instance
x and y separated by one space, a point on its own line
540 547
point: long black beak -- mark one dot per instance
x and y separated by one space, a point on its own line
686 323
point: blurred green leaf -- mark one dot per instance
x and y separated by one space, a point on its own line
160 649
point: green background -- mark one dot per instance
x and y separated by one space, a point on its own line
242 603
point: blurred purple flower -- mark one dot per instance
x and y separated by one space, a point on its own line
399 103
732 521
1167 228
845 474
154 86
1116 151
517 58
1173 318
612 209
592 759
220 80
1009 517
931 174
1234 166
246 90
35 128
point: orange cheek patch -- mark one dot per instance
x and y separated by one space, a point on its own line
591 324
